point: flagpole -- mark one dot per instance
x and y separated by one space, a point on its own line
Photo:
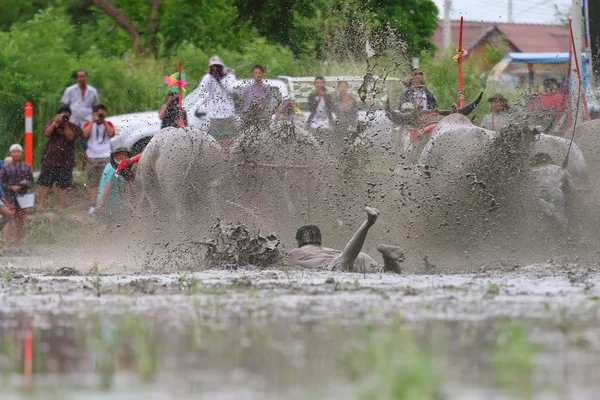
461 94
180 79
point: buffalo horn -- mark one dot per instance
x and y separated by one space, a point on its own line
465 110
398 118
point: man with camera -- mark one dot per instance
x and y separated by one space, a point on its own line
58 159
97 132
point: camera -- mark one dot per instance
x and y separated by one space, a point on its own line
101 116
65 118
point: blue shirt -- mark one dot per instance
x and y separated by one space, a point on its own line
115 197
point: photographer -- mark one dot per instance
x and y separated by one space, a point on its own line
169 112
217 91
98 132
58 159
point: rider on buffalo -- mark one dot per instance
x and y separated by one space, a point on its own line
417 93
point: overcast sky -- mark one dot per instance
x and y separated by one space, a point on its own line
524 11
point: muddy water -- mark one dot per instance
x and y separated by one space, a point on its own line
521 332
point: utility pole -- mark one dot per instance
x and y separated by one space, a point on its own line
510 9
576 24
447 26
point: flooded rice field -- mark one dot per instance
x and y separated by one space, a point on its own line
505 332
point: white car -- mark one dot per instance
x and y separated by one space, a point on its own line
134 131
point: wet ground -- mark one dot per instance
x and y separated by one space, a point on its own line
507 331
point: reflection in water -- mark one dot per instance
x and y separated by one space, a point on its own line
274 357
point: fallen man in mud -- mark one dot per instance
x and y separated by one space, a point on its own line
311 255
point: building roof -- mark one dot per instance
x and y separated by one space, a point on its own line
527 38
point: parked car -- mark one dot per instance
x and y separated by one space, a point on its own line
135 130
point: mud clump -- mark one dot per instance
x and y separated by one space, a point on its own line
67 271
233 245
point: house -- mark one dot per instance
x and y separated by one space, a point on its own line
519 38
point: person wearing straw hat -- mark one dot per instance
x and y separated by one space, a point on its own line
16 178
499 116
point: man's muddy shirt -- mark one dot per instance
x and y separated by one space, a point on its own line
316 257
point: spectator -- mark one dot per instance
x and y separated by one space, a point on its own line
169 112
6 213
256 100
417 93
109 203
217 89
549 106
346 108
16 179
81 97
98 134
58 159
320 105
499 116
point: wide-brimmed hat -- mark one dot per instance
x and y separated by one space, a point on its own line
215 60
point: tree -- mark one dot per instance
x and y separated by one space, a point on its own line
133 30
307 27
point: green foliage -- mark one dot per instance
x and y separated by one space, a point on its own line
146 351
441 76
413 20
512 359
314 28
392 365
95 280
211 24
493 289
43 41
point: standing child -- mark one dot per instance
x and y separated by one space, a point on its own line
16 178
109 204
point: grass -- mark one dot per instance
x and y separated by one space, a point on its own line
95 280
189 284
392 365
493 289
512 359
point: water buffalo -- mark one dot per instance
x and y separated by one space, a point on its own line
412 126
268 176
179 175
